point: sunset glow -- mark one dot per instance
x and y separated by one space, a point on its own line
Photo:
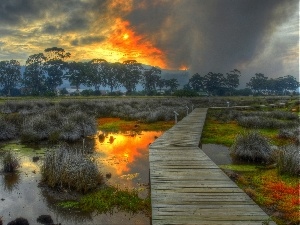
124 44
119 155
183 67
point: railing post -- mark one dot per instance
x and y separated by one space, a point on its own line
176 114
187 110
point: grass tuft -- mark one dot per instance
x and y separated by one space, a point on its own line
288 161
65 168
251 146
10 162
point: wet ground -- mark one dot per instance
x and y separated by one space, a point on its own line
122 158
219 154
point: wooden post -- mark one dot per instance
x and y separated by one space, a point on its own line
176 114
187 110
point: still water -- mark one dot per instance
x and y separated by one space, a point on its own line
122 158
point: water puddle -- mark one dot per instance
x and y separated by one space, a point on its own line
122 158
219 154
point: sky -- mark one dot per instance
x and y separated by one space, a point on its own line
253 36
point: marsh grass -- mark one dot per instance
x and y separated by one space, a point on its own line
288 160
292 134
7 130
254 122
54 126
10 161
251 146
70 169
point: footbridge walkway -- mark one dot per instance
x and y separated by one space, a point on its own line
188 188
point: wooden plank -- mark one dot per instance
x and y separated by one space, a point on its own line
188 188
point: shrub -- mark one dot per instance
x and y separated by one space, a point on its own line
35 128
65 168
77 125
7 130
288 160
263 122
85 123
293 133
9 162
69 131
251 146
284 115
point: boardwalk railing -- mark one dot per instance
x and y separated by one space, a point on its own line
188 188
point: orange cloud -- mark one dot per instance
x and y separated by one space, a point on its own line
124 44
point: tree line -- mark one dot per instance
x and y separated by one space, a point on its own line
45 72
218 84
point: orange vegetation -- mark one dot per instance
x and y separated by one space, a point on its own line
283 196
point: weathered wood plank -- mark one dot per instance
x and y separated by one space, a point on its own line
188 188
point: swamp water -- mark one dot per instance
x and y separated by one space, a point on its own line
122 158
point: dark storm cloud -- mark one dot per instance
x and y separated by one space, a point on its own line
75 15
50 29
87 40
13 12
214 35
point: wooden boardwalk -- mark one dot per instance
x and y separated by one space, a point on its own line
188 188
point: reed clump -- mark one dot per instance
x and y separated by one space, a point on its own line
69 169
251 146
288 160
10 162
7 130
290 133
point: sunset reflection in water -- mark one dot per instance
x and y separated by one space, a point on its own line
125 156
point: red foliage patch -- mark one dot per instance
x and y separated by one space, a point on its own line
284 197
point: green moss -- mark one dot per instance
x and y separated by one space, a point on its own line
241 168
69 204
115 124
108 198
215 132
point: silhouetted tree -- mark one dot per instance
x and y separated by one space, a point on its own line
161 83
150 79
214 83
131 75
97 70
258 83
290 83
35 74
196 82
232 80
172 84
55 66
76 73
113 75
10 75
